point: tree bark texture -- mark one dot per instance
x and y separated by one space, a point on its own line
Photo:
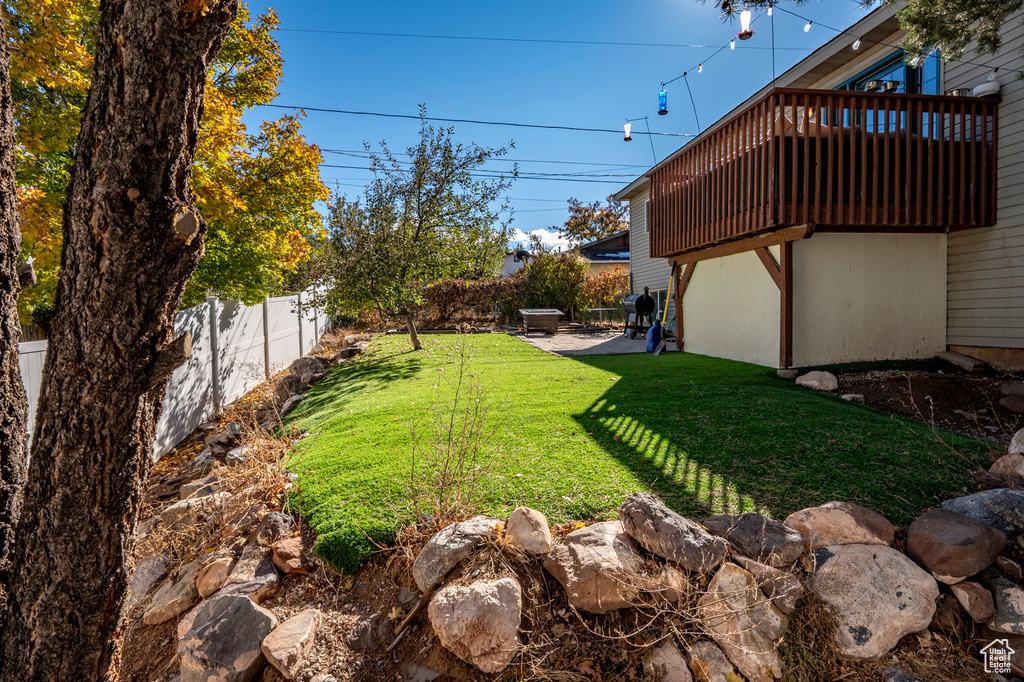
414 335
13 405
132 238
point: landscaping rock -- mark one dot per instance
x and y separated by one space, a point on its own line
841 523
346 354
528 530
224 642
287 647
202 462
311 379
671 585
188 619
237 455
368 634
290 404
324 677
877 596
949 615
447 548
289 385
221 442
890 674
819 381
1017 443
739 618
1009 568
976 600
787 373
758 537
273 527
309 365
1001 508
1012 389
1013 403
853 397
964 362
201 487
417 672
1009 603
953 546
709 664
291 558
479 623
598 566
666 664
189 512
213 575
147 572
784 589
254 575
174 597
1009 465
665 533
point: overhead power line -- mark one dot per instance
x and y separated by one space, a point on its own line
362 153
497 39
617 131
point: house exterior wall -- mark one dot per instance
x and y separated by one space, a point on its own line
646 271
864 297
986 265
731 310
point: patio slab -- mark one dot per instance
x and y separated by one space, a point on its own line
590 343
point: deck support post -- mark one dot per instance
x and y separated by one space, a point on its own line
682 282
786 305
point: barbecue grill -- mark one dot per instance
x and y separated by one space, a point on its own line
640 310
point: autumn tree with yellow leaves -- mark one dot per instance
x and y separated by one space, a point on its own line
256 190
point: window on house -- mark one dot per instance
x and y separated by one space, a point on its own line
647 216
924 79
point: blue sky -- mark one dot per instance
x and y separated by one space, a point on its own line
595 86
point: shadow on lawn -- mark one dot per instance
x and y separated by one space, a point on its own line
368 372
710 436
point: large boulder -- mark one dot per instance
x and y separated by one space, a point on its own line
598 566
273 527
369 633
447 548
841 523
147 572
1009 602
1001 508
665 533
200 487
819 381
224 642
189 512
743 622
758 537
709 664
292 558
877 595
975 599
309 365
288 386
666 664
1017 443
1009 465
479 622
174 597
953 546
528 530
287 647
214 574
784 589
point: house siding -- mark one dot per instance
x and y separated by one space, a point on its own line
646 271
986 265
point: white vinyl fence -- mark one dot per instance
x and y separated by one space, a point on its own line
235 347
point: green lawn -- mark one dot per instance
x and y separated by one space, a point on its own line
705 435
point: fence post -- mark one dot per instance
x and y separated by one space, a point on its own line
266 337
298 306
211 302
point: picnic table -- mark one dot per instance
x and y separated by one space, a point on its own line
541 319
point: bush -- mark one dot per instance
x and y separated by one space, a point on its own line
557 281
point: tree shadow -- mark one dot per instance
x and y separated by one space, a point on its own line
715 436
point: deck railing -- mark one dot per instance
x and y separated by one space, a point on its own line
832 158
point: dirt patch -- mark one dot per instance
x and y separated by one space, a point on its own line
954 400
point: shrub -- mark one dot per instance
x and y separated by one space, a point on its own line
557 281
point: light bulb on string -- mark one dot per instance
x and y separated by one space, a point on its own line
769 10
732 44
700 68
807 27
856 44
628 137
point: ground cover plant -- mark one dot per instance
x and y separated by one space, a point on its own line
574 436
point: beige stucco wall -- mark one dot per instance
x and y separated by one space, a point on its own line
862 297
731 310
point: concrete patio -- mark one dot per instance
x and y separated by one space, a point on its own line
588 343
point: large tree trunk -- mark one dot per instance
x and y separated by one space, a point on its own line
132 238
13 406
414 335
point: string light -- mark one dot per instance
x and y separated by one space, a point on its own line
628 138
769 10
700 68
732 44
807 28
856 44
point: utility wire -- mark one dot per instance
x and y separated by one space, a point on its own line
355 152
497 173
467 120
516 40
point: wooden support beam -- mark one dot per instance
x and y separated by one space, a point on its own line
682 282
786 306
782 236
770 265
